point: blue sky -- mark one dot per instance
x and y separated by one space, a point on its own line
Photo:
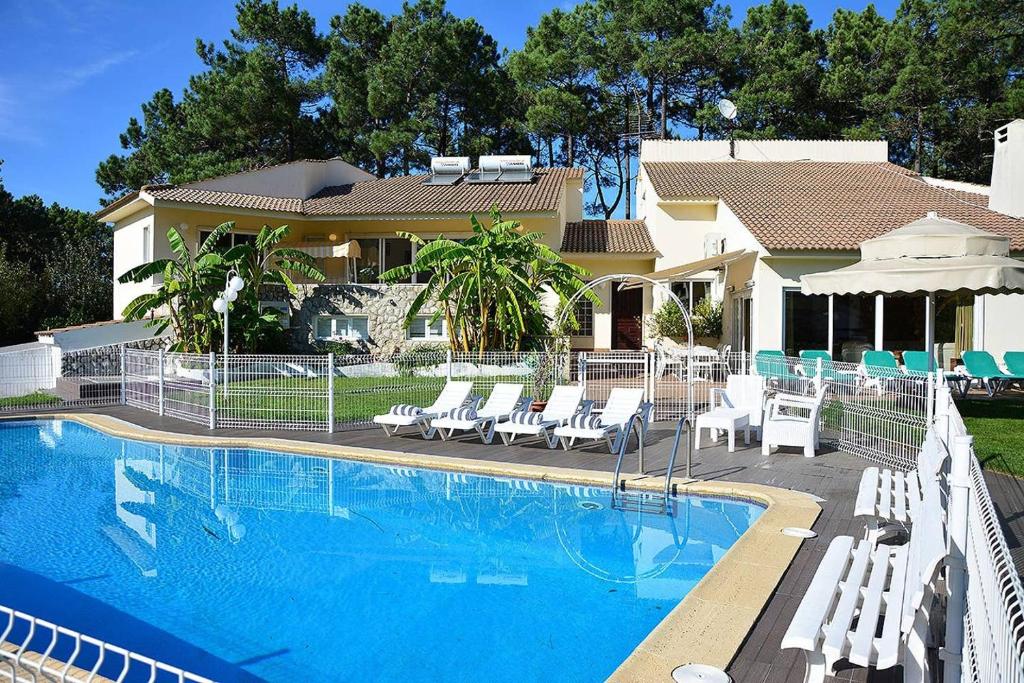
74 71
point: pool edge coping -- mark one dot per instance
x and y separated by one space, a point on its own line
708 626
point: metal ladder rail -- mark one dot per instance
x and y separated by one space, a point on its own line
684 421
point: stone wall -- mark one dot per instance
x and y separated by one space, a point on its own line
385 305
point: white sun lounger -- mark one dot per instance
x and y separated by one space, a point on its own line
451 397
870 604
611 421
504 399
563 404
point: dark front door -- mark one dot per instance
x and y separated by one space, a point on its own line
627 317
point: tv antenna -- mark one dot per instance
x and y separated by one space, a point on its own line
639 127
728 111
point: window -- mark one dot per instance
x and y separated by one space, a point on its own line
422 330
283 309
342 327
585 318
380 254
805 322
853 320
146 252
691 291
229 240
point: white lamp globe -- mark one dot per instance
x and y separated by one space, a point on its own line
230 295
220 306
236 284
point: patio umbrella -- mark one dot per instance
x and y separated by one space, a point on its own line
928 256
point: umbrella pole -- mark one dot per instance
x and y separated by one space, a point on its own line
929 330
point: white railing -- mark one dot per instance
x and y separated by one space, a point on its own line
43 377
33 647
987 592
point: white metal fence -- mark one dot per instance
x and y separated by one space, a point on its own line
43 377
32 647
990 595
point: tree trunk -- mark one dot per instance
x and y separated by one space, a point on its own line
629 194
570 150
664 111
920 140
551 152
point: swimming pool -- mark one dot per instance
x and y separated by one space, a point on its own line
247 565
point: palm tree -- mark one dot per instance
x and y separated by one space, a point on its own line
183 299
489 286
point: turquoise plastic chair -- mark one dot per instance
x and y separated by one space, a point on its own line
1014 362
773 365
982 367
881 365
916 365
809 361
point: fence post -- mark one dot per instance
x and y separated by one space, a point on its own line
959 497
448 365
581 371
330 391
160 380
212 398
817 377
929 407
124 385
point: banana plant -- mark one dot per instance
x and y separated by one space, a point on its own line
489 286
187 287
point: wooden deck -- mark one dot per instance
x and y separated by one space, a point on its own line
832 477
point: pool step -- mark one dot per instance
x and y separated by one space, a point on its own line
640 501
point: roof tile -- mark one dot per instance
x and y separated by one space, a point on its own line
607 237
825 205
394 196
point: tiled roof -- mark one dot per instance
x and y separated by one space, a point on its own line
825 205
607 237
408 194
234 200
393 196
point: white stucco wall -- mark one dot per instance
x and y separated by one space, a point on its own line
133 246
1001 324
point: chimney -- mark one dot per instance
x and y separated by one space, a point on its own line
1007 192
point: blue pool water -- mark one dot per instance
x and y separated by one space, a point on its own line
246 565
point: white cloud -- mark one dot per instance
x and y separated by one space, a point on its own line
21 105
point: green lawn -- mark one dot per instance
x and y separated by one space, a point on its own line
998 430
37 398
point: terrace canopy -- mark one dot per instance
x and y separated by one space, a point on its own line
928 256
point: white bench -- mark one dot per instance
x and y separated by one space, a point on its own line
893 497
870 604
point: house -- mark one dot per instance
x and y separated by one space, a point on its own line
738 223
744 226
330 204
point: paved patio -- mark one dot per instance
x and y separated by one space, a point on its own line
832 476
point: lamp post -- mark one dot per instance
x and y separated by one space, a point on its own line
233 284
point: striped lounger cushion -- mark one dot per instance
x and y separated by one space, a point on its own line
402 409
580 421
525 417
463 413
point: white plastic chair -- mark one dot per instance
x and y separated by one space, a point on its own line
793 420
563 404
742 398
611 421
504 399
451 397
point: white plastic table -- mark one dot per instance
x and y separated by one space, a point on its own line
727 419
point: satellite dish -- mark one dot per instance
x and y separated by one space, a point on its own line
727 109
